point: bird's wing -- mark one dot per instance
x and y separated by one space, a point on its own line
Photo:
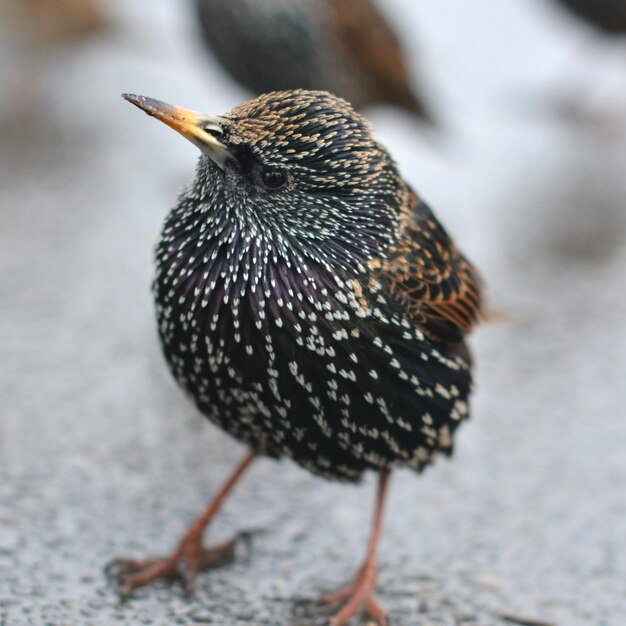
375 47
434 284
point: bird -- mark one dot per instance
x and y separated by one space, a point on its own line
313 307
31 33
577 104
608 16
39 24
344 46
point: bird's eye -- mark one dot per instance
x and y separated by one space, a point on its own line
274 179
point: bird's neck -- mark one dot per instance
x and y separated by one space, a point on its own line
214 252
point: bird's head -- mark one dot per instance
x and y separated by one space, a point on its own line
301 167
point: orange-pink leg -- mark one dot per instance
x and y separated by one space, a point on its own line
190 556
359 595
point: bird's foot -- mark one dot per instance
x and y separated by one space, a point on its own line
184 563
356 597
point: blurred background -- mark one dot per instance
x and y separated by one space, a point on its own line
100 453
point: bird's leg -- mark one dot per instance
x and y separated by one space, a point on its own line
359 595
190 556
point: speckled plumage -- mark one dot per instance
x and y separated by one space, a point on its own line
312 306
323 321
607 15
343 46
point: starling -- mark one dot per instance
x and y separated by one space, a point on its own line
343 46
37 24
311 305
609 16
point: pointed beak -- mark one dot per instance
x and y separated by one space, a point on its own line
202 130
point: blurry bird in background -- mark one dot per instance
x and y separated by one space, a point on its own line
609 16
342 46
312 306
39 23
29 30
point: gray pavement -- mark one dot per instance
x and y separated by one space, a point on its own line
100 453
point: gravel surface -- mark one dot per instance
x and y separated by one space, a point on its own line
101 455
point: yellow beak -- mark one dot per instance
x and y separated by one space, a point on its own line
198 128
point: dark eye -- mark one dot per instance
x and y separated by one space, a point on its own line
274 179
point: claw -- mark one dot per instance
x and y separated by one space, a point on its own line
189 557
338 596
375 612
184 563
357 596
187 571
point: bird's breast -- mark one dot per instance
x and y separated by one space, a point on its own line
300 361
